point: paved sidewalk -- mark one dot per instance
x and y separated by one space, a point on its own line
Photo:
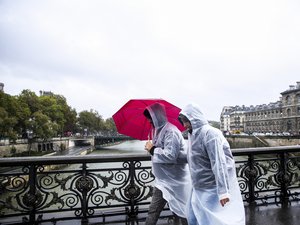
273 215
270 215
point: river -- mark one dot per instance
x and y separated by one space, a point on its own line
132 146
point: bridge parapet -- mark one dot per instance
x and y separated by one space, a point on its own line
44 189
104 140
246 141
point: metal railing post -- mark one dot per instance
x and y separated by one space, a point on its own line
252 179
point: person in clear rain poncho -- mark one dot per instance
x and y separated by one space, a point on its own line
215 198
172 178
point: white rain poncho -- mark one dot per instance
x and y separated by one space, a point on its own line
171 176
213 174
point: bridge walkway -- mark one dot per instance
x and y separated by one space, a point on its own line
274 215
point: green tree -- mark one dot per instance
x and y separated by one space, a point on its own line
110 125
54 112
70 115
8 118
30 99
91 121
42 126
215 124
46 116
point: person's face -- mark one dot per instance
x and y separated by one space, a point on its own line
150 121
186 123
188 126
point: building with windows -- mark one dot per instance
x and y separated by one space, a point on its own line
46 93
281 117
233 119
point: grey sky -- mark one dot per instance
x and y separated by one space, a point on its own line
100 54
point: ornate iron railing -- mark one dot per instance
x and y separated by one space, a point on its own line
50 189
269 175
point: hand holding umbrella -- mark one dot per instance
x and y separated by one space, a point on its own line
148 146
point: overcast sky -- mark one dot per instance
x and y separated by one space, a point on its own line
99 54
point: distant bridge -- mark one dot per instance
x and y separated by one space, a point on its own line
103 140
97 140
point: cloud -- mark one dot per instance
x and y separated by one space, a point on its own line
99 54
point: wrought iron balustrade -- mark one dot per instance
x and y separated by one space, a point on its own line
41 189
269 175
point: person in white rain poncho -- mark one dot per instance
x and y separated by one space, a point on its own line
215 198
172 178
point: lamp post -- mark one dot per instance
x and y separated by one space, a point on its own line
29 135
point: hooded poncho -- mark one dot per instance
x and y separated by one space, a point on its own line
171 176
212 169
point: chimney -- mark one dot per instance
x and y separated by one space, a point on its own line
298 84
1 87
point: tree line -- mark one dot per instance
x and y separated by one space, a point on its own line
46 116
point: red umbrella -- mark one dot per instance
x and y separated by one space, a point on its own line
130 120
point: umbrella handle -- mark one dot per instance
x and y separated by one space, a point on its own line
149 136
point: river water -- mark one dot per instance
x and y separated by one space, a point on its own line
132 146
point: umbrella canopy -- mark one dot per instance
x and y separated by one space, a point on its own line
130 120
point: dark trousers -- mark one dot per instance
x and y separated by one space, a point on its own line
157 205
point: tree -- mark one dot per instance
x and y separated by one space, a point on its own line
70 115
42 126
54 112
110 125
215 124
30 99
8 118
90 120
46 116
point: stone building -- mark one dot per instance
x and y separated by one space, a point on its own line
1 87
281 117
46 93
233 119
225 118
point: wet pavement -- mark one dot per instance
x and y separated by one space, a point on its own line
273 215
262 215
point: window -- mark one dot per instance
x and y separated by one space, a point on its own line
289 125
288 111
288 100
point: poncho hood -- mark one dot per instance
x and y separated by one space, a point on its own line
194 115
158 114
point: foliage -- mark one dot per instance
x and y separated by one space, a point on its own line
30 116
215 124
90 122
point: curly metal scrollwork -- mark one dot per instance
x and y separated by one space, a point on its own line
252 172
32 200
132 191
288 176
133 187
84 184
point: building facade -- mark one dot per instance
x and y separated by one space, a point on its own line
281 117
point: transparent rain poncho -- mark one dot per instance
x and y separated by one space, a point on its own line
213 174
171 176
